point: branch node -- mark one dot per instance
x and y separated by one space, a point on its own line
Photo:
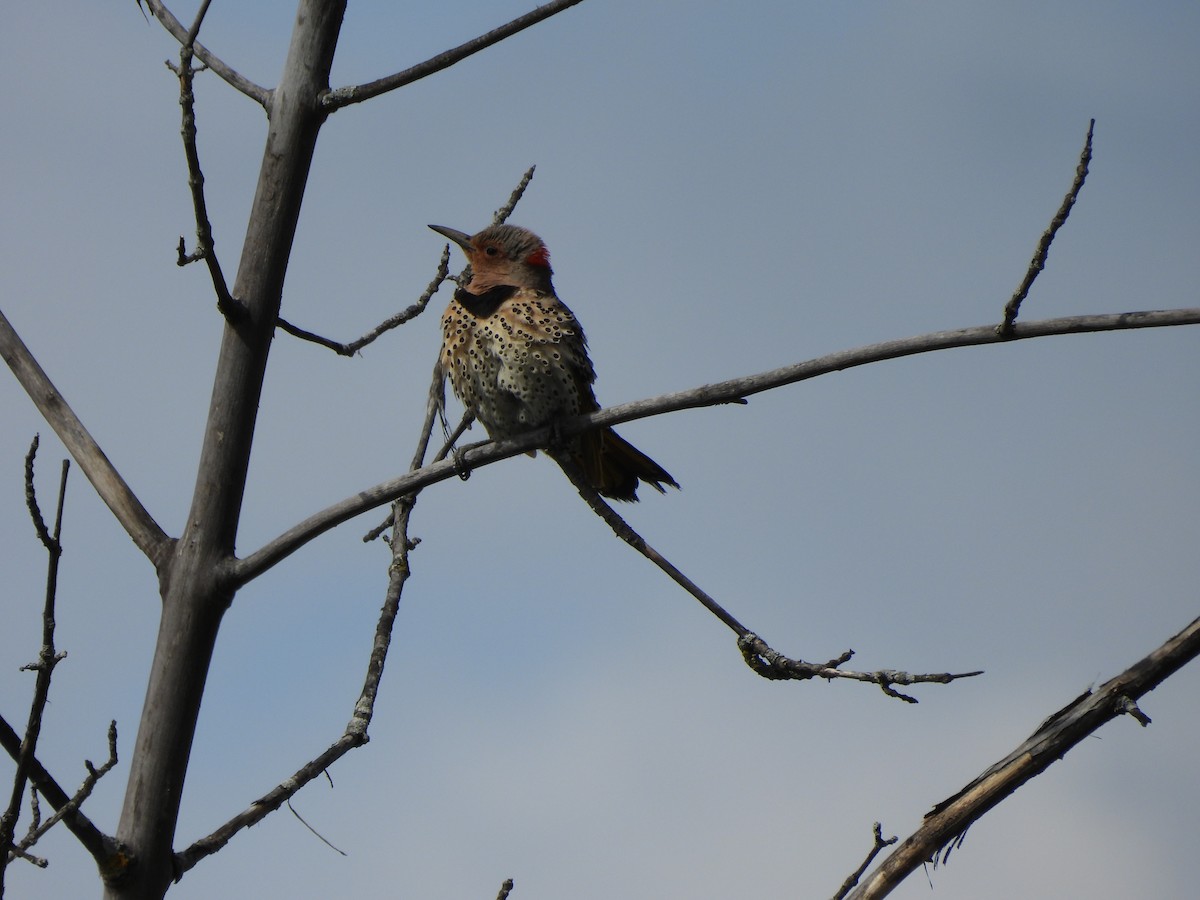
1127 705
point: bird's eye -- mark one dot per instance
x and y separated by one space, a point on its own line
491 251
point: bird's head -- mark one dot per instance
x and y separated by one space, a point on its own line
503 255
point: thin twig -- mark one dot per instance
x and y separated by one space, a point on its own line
355 734
443 271
104 849
320 836
48 658
946 825
414 310
259 94
229 307
626 533
109 853
434 405
774 666
35 513
500 216
505 889
732 391
1013 307
758 655
853 877
336 99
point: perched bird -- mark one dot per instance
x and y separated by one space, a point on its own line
518 360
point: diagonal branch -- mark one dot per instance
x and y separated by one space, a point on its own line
345 96
406 315
945 826
109 854
255 92
1043 248
758 655
731 391
880 843
622 529
102 847
443 270
109 484
355 734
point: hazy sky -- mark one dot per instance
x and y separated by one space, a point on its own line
725 188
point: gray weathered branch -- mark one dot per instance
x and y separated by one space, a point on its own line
945 826
259 94
345 96
731 391
109 484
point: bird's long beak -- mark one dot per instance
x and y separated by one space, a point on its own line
459 237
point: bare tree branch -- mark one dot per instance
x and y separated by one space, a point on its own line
255 92
774 666
355 734
732 391
852 878
110 853
443 271
303 821
336 99
622 529
414 310
946 825
758 655
229 307
102 847
39 524
500 216
109 484
48 658
105 850
1013 307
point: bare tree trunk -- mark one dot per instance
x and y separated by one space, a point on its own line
194 581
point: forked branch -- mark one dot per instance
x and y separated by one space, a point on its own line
104 849
406 315
24 749
734 390
443 271
345 96
946 825
758 655
355 734
259 94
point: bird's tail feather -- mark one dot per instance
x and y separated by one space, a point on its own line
613 466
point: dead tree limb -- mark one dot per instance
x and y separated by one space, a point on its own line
350 348
175 28
109 484
946 825
346 96
355 734
205 249
758 655
1013 307
735 390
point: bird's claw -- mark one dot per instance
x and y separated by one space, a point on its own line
461 469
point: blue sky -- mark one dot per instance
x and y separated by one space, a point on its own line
723 191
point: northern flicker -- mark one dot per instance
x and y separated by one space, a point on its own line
518 360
